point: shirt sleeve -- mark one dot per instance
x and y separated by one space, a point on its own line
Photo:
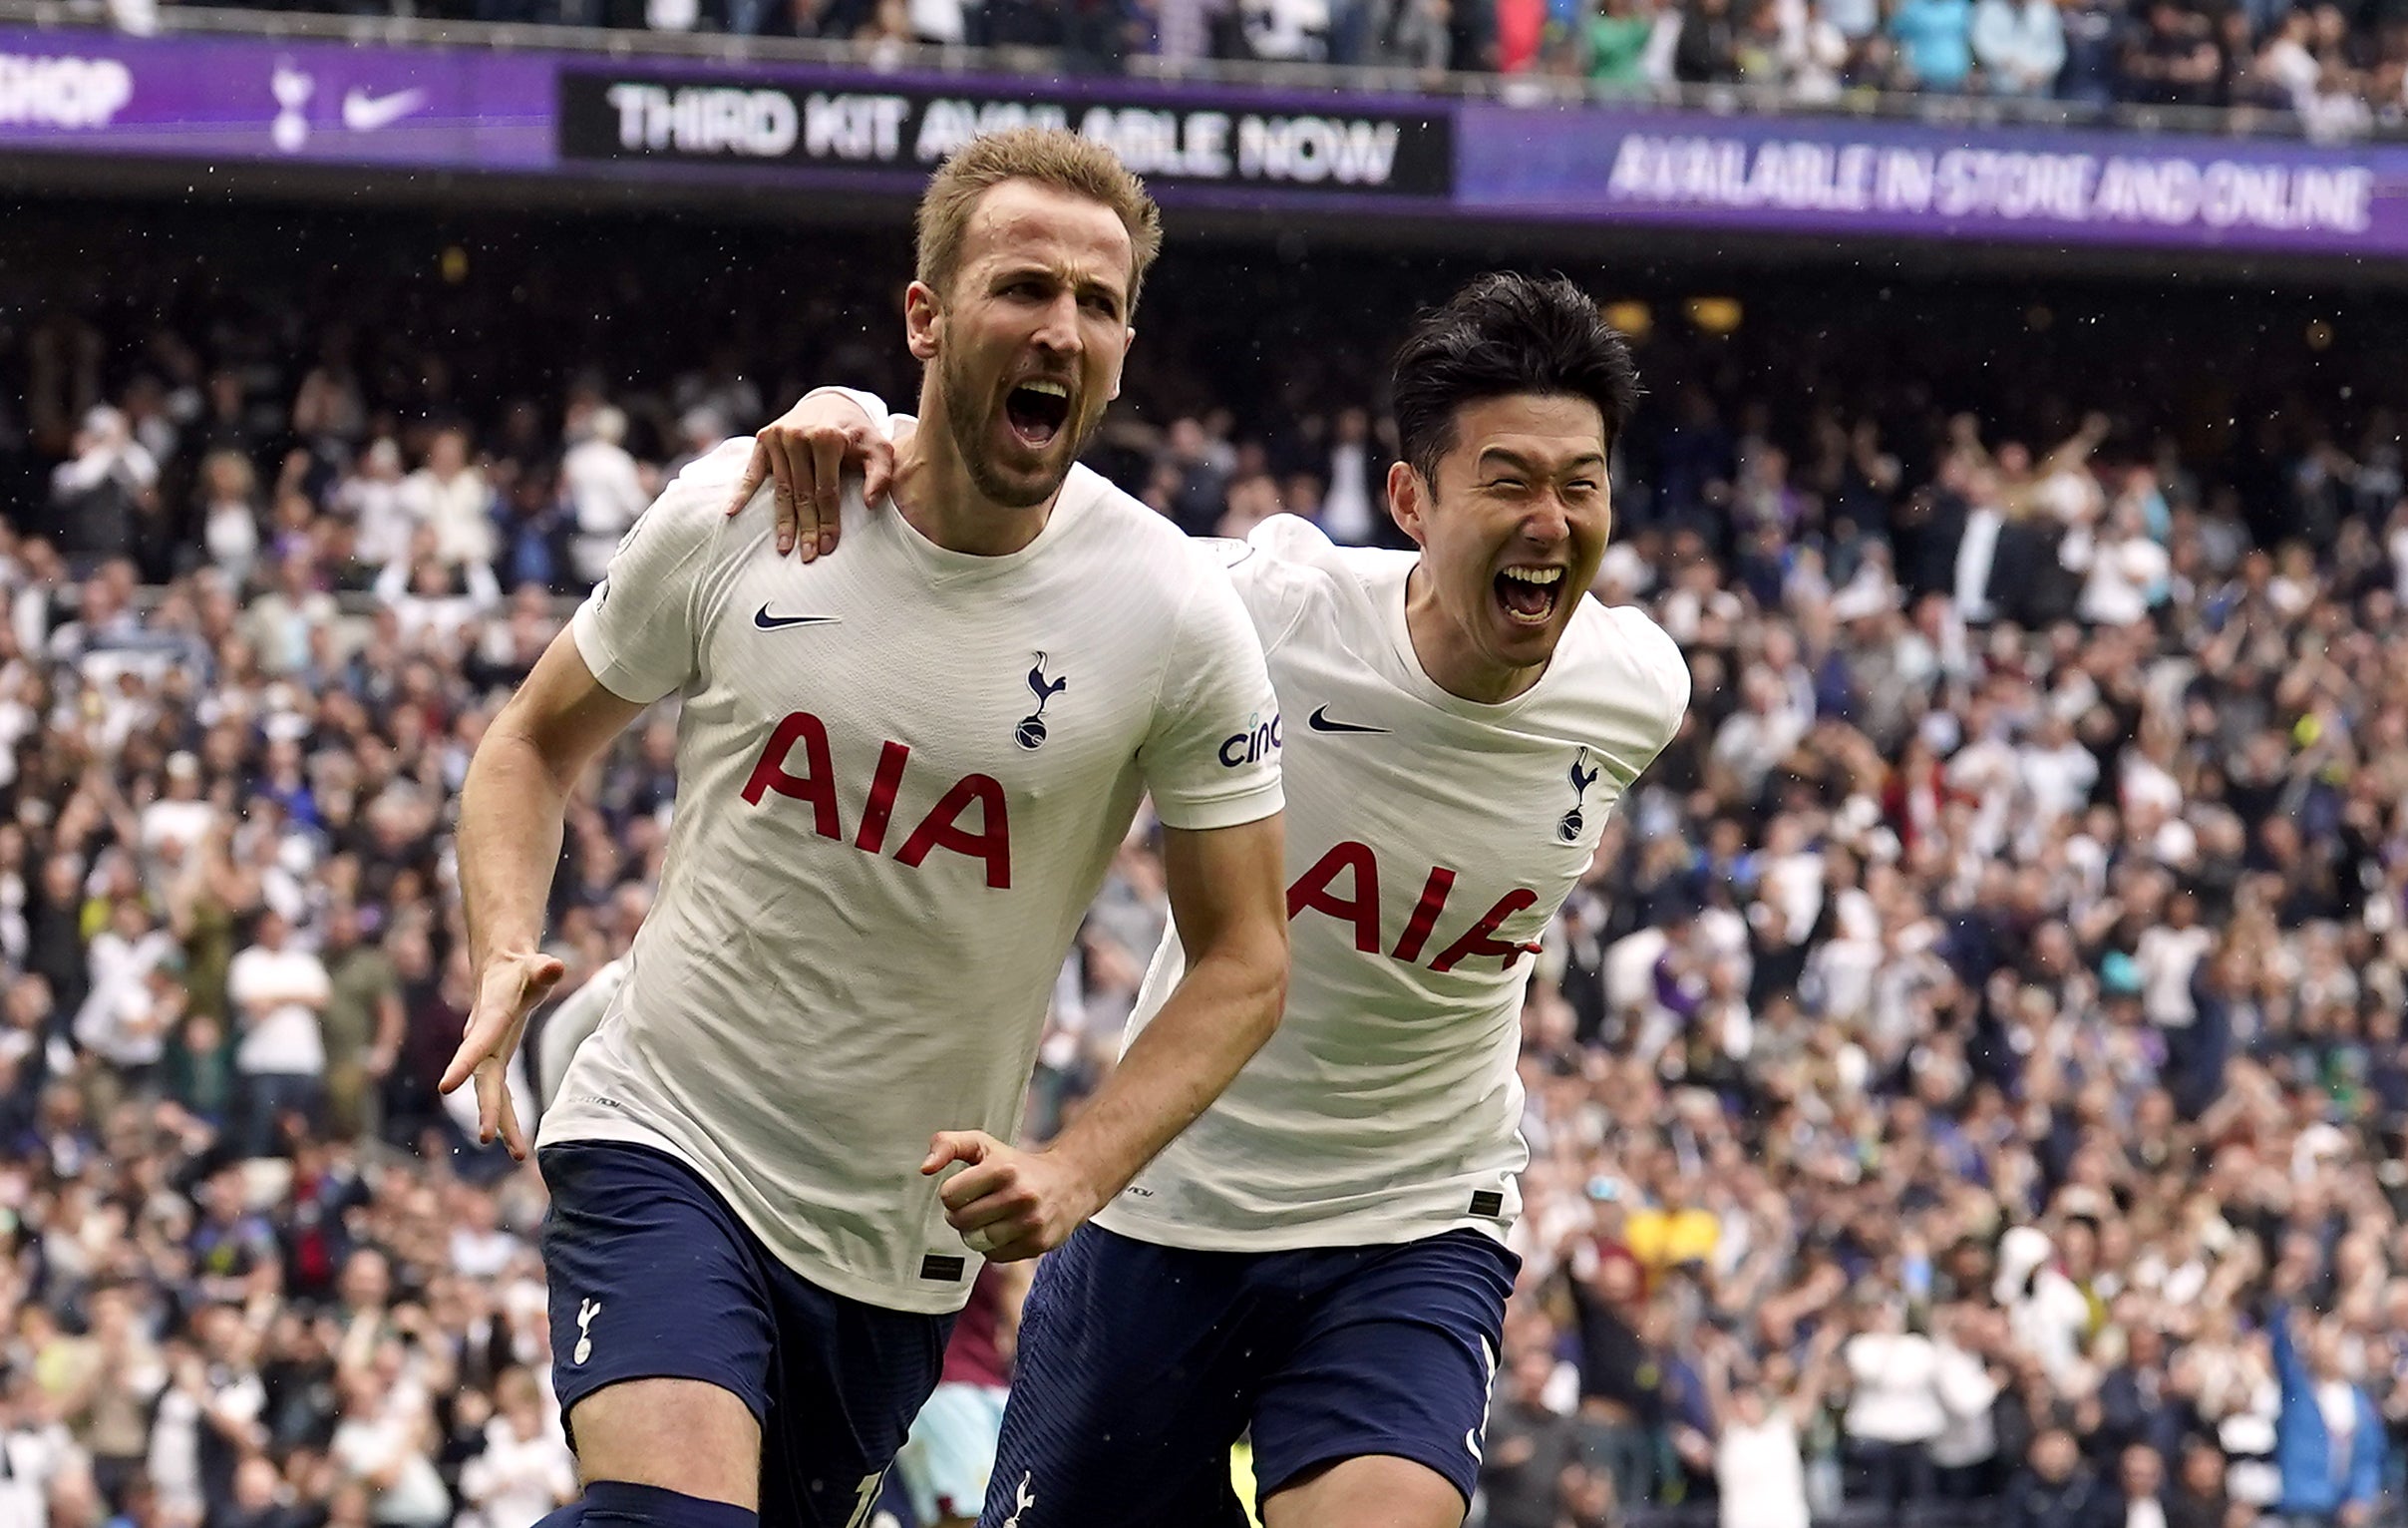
880 419
636 630
1212 759
1662 656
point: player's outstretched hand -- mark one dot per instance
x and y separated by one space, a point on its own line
512 984
1008 1204
807 452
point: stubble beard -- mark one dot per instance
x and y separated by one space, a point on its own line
966 421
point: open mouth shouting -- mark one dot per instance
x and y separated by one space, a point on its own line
1530 596
1036 411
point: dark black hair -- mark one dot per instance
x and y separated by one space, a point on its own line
1507 333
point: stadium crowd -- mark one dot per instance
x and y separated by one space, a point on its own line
1969 1086
2339 67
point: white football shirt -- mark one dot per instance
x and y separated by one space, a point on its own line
1430 840
901 775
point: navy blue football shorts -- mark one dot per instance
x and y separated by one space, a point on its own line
653 1277
1140 1366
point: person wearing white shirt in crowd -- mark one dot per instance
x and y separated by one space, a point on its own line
2020 45
1893 1408
1759 1463
2169 956
1760 734
2047 1312
1349 508
482 1250
230 499
450 495
282 622
2058 772
278 992
527 1469
433 598
606 488
123 1020
385 1441
180 821
33 1454
1969 1387
372 501
1286 29
2126 572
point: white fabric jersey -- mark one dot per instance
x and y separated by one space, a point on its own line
901 775
1430 840
577 1016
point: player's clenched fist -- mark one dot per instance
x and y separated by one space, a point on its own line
806 453
507 989
1010 1204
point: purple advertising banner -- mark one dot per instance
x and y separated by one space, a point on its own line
1807 175
600 118
215 98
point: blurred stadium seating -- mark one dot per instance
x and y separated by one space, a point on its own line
2334 68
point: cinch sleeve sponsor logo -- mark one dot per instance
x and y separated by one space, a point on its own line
71 93
1260 741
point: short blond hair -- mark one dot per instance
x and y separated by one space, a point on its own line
1050 157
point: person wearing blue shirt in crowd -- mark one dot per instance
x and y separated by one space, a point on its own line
1935 41
2328 1436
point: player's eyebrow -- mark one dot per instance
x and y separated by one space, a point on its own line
1514 460
1081 282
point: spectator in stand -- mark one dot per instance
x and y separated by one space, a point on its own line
361 1023
1935 43
448 496
2172 60
229 513
2329 1436
279 992
2020 45
1707 51
97 496
524 1469
606 490
2056 1490
1894 1406
1621 36
372 501
1526 1446
1760 1421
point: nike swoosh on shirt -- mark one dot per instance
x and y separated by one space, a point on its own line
362 112
1319 721
767 623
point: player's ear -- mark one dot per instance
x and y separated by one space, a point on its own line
1126 340
923 319
1408 501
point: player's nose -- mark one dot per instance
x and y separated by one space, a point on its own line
1058 326
1547 520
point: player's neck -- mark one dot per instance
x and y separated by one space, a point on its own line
1447 654
935 495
